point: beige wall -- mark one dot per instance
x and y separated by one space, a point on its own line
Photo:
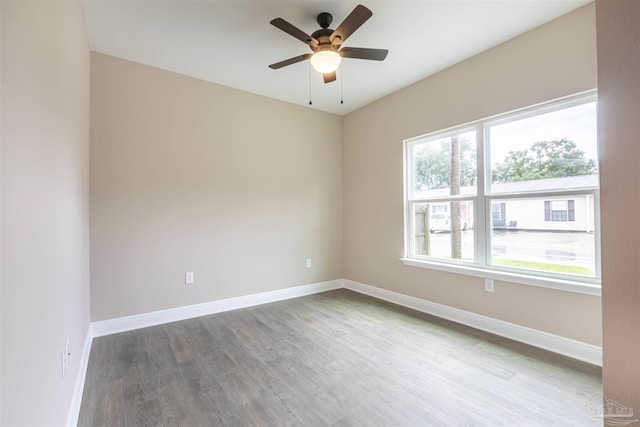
551 61
619 110
192 176
45 207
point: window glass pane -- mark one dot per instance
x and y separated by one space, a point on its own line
443 230
436 161
554 150
558 215
537 195
531 234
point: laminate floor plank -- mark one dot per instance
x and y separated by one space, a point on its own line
332 359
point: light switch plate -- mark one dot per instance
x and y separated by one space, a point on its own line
189 278
488 285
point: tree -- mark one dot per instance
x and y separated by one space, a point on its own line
432 164
544 159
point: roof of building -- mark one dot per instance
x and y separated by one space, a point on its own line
532 186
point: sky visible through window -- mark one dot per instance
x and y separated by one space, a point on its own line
577 124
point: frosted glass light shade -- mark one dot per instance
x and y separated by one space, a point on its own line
326 61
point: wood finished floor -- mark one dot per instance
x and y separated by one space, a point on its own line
332 359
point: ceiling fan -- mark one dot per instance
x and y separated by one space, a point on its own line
327 43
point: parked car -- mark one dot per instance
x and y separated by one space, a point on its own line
441 222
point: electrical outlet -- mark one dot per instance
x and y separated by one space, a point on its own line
488 285
308 262
65 359
189 278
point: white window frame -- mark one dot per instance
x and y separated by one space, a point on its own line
482 209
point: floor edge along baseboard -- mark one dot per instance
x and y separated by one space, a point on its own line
129 323
78 389
558 344
568 347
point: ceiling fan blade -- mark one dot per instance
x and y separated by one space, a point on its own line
294 31
329 77
356 18
290 61
364 53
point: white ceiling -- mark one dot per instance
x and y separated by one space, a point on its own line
232 42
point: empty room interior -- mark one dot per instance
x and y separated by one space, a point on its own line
442 229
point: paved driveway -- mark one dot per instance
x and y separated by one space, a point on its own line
542 246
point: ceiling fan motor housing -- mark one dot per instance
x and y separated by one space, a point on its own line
324 40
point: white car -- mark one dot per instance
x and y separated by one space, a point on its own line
441 222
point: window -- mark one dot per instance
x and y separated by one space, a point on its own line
443 184
498 214
559 210
516 194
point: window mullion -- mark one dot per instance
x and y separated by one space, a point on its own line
481 206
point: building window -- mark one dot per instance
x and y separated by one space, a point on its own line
559 210
514 193
498 210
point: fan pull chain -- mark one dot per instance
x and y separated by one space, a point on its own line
310 71
341 83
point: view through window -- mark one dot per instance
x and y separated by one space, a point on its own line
516 193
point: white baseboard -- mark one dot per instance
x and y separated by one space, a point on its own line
122 324
576 349
78 388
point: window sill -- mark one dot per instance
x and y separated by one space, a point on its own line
524 279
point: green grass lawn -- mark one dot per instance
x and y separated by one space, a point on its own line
544 266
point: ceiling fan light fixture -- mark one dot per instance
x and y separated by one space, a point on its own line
326 61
